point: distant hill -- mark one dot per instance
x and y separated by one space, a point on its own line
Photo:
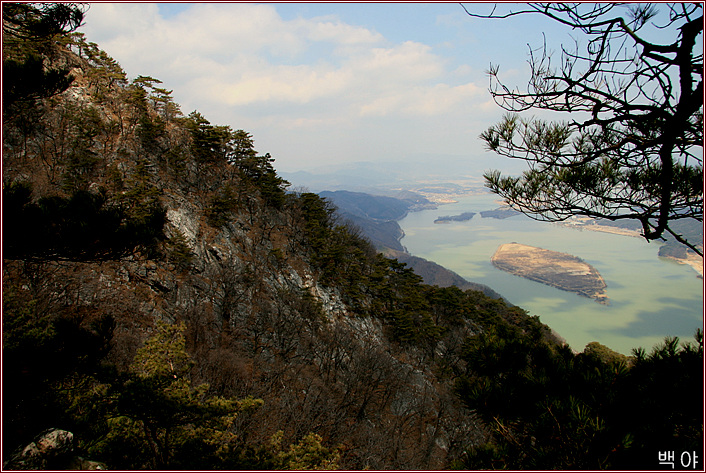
368 206
375 215
376 218
436 275
689 229
382 234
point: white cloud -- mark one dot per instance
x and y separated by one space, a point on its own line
234 47
108 20
428 101
407 62
244 63
332 30
293 84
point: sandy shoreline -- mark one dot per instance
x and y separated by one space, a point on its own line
603 228
693 260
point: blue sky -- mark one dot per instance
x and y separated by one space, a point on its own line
319 84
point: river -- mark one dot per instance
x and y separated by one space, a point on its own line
650 297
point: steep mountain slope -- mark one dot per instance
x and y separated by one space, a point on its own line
121 213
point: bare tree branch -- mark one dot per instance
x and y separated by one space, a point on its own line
632 146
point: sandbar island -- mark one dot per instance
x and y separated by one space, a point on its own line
559 270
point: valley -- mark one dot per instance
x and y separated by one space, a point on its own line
643 308
650 296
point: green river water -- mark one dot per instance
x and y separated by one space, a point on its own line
650 297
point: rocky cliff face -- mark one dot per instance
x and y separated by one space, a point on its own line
279 302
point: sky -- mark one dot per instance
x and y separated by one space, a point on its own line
319 84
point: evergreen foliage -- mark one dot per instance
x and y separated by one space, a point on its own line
47 354
27 81
219 144
179 252
551 409
210 144
28 32
82 227
176 418
222 206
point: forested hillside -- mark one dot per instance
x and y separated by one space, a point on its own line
170 303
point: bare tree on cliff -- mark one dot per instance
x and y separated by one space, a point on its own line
632 147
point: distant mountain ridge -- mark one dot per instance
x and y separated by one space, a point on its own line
376 217
436 275
369 206
397 172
